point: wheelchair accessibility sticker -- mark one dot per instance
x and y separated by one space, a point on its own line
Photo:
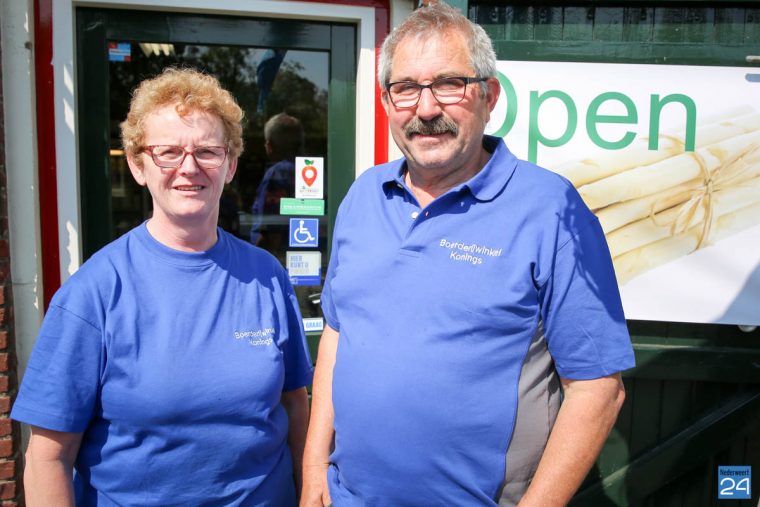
304 232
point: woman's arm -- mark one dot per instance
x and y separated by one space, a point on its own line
49 467
296 403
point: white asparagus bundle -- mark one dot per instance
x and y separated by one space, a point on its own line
738 121
617 215
692 213
633 263
728 114
669 173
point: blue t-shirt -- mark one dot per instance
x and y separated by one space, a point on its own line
436 308
173 365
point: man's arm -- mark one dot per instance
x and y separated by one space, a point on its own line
50 461
584 421
319 439
296 403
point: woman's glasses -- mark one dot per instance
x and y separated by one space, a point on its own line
171 157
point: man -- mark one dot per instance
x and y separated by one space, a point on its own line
283 141
448 268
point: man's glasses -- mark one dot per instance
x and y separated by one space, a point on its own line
446 90
171 157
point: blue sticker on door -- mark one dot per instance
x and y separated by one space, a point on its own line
304 232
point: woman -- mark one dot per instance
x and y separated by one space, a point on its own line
170 369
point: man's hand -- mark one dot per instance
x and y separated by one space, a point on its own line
315 492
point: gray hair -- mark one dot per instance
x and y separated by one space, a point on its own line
437 19
286 134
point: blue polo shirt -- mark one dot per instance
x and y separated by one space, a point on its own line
436 308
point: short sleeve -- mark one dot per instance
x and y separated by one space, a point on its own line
62 380
298 368
581 308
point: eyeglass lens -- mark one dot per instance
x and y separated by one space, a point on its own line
446 91
208 157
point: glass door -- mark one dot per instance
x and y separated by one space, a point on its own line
294 80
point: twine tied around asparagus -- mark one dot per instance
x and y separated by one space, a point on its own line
701 197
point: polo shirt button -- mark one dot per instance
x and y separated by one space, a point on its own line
415 214
427 213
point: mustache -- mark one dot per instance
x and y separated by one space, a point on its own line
438 125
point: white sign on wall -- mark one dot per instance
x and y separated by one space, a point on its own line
668 157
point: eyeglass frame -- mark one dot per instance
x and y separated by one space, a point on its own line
149 150
421 87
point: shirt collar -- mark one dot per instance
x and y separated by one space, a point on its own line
484 186
492 179
394 177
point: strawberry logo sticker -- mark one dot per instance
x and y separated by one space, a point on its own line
309 177
309 172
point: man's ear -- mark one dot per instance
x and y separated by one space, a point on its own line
492 93
137 170
231 170
386 100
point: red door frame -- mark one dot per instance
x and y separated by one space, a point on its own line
46 171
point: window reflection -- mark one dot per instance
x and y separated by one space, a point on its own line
283 142
268 83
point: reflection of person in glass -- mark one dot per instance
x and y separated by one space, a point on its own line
170 369
283 141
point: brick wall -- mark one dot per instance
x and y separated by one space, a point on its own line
10 434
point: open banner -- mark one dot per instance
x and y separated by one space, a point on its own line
668 157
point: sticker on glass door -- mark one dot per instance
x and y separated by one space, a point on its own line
304 268
304 232
309 177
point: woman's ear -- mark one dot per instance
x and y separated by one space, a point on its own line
137 170
231 170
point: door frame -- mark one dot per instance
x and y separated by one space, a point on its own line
96 27
69 212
